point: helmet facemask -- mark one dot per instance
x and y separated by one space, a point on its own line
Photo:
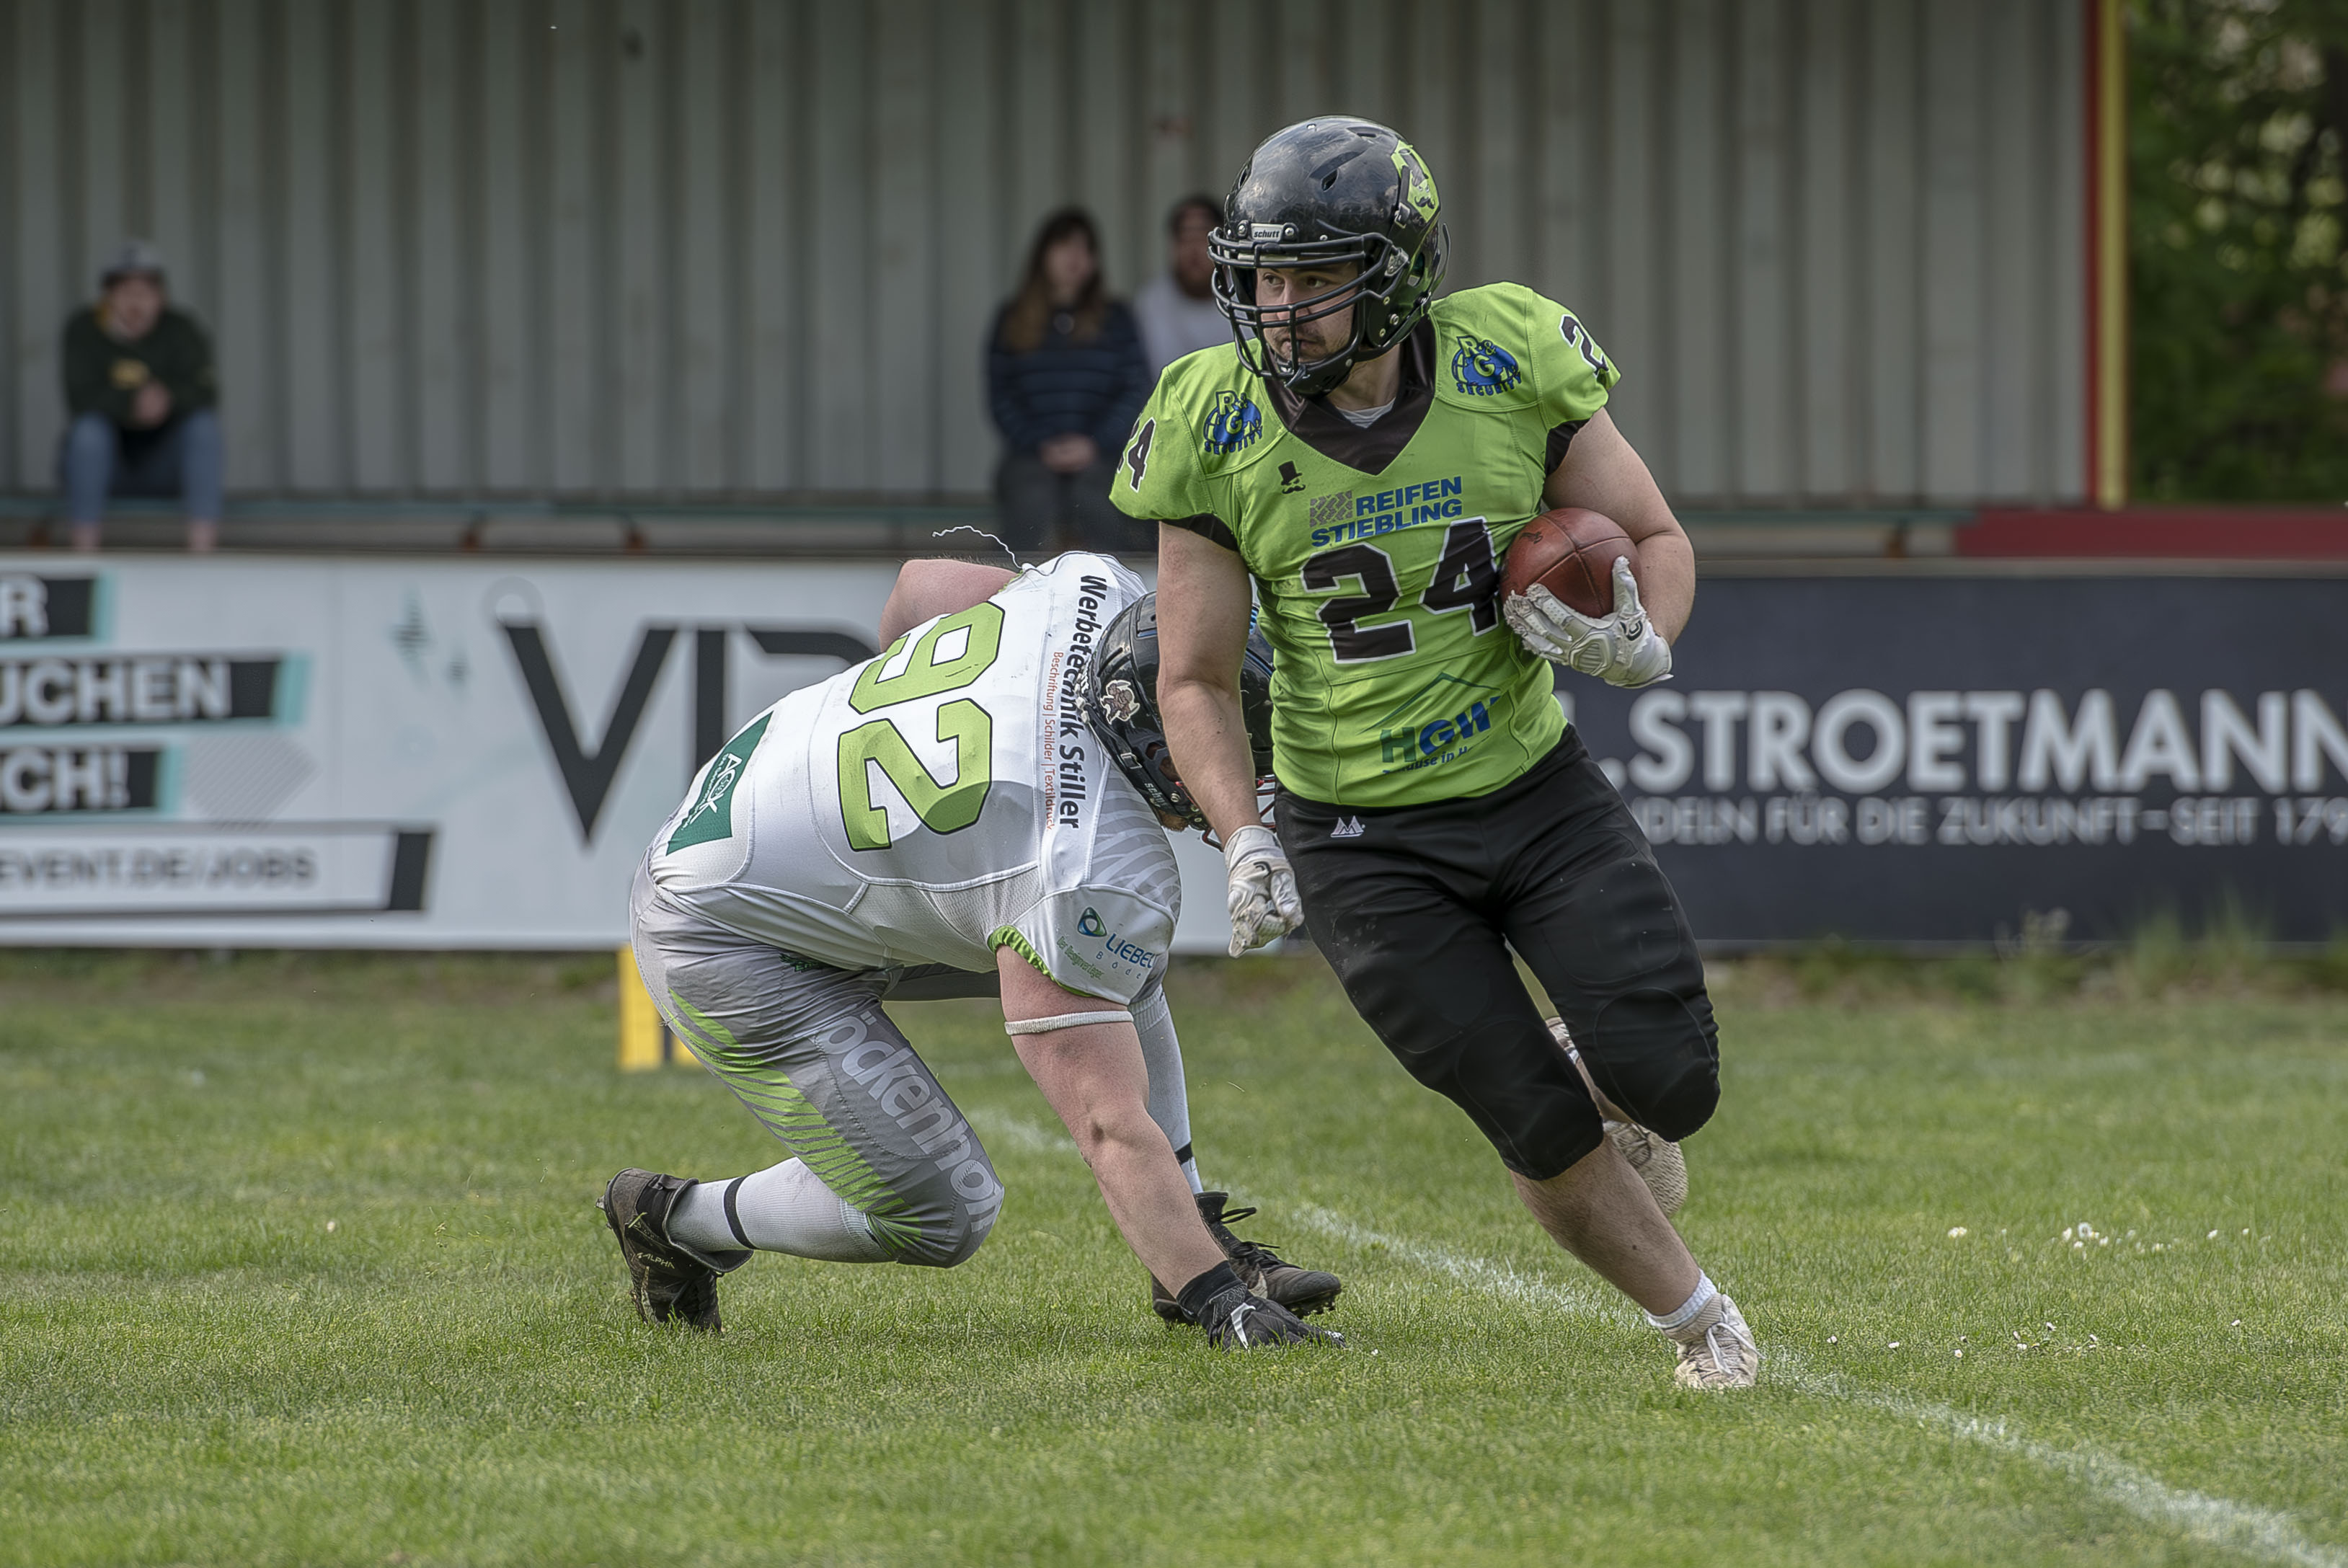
1382 271
1336 194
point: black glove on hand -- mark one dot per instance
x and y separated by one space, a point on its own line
1237 1319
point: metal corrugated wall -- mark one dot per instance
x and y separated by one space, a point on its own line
714 247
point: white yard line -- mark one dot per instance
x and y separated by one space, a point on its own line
2254 1531
1477 1273
2258 1532
2220 1522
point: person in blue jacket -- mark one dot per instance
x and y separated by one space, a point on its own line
1066 377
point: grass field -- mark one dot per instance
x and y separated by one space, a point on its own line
298 1265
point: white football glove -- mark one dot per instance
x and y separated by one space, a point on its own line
1263 901
1621 648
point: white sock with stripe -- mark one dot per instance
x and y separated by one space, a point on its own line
785 1208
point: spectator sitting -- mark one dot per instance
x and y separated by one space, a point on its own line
1176 308
1065 380
138 383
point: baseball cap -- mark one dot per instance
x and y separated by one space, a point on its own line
132 256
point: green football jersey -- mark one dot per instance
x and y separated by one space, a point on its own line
1376 552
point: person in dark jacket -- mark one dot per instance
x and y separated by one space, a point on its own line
1066 377
140 385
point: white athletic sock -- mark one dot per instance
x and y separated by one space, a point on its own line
782 1209
1705 1291
1170 1105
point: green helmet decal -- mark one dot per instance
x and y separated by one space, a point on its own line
1418 184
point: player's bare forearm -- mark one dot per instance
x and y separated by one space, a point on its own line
1094 1078
1203 605
1602 471
1667 579
1208 735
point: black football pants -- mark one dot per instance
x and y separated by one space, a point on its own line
1418 912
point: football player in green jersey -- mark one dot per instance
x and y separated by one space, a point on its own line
1366 453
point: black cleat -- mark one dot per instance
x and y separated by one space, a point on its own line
668 1279
1302 1291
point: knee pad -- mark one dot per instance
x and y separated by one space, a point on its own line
1654 1056
951 1213
974 1234
1522 1095
947 1245
977 1199
1552 1135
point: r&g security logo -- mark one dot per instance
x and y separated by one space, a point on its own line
1482 367
1233 424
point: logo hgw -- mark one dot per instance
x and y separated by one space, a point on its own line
1482 367
1233 423
1115 947
1428 740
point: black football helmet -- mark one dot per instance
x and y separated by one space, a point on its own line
1120 703
1340 193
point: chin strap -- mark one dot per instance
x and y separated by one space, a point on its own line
1065 1021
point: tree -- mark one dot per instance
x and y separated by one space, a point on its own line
2238 177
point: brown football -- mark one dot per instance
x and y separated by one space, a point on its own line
1571 552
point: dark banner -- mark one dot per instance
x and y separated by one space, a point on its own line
1942 759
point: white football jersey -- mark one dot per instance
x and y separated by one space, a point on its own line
940 802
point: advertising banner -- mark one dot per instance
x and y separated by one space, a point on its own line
1930 760
386 753
454 753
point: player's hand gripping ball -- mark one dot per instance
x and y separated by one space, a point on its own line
1570 589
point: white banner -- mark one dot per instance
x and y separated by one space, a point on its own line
386 753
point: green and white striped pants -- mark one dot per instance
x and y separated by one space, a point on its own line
808 1048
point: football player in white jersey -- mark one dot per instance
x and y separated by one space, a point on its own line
979 806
